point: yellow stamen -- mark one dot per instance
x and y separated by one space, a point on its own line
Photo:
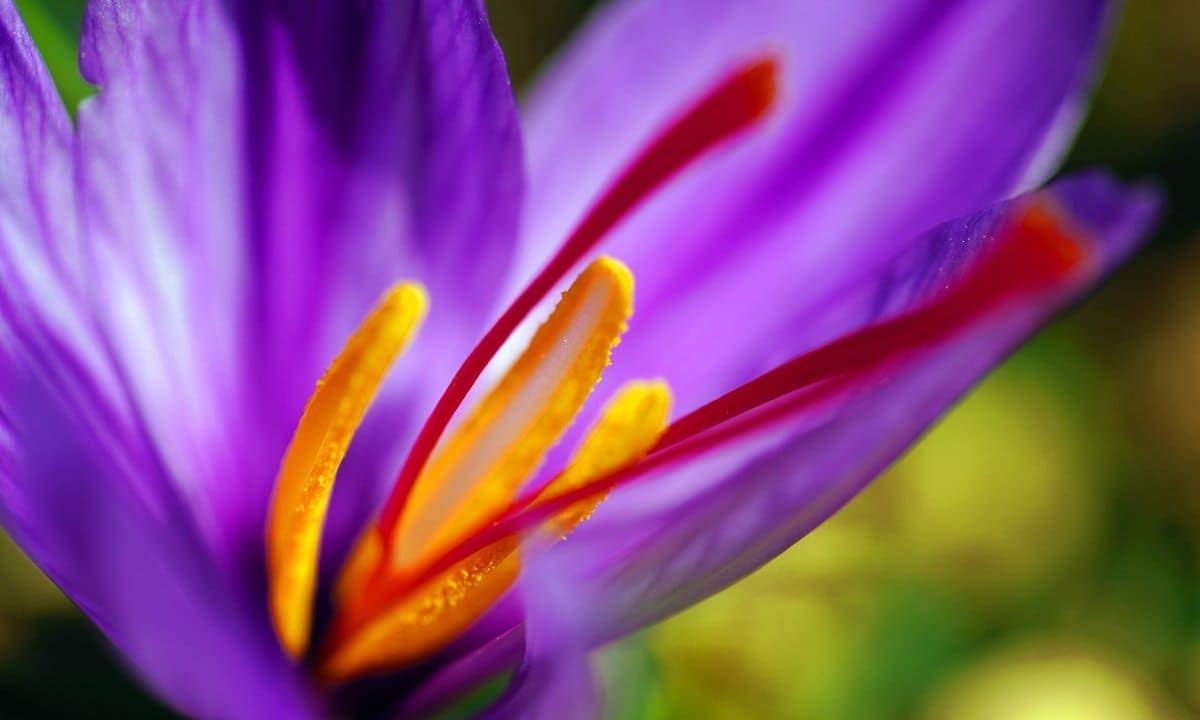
479 468
631 424
437 612
362 563
426 620
305 481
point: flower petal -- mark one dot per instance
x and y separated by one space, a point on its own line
890 120
40 265
468 671
254 175
657 546
139 571
556 679
156 354
81 490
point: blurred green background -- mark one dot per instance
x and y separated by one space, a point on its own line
1034 558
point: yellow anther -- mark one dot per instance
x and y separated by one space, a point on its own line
425 620
441 609
306 475
629 427
479 468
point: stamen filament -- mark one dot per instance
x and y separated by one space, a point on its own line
306 476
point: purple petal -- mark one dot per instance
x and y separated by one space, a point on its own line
81 489
254 177
891 119
556 679
39 262
158 186
464 673
139 571
655 547
176 275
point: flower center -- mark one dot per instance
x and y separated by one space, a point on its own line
446 544
391 609
476 473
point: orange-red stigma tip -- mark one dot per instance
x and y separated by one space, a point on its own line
1060 244
761 81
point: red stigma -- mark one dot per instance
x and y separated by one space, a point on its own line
736 103
1036 250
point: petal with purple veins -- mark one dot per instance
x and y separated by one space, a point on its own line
253 177
138 570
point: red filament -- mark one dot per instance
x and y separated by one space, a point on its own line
1036 252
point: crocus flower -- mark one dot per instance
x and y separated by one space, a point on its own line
828 210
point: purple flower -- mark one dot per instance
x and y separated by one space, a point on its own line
821 206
